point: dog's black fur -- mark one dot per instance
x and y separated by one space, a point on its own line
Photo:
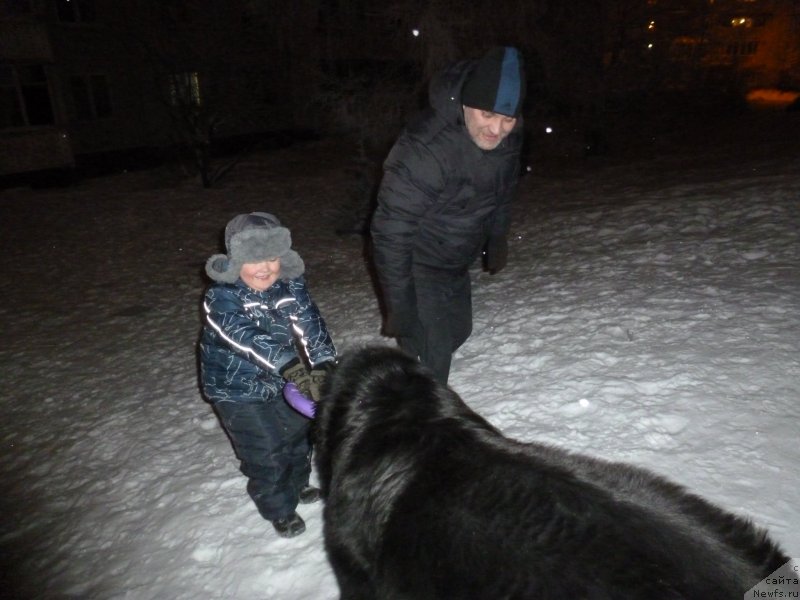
426 500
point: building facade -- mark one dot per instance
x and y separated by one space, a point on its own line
83 78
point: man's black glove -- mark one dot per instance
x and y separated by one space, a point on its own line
496 254
296 372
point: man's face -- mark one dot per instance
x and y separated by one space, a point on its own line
487 129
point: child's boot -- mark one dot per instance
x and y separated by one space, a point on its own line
289 526
309 494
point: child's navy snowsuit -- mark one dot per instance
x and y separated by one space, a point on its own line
247 338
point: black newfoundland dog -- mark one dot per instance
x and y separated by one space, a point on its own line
426 500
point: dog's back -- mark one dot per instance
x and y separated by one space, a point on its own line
425 499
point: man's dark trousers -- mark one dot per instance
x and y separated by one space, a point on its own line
444 309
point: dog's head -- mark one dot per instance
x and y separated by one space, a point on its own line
379 396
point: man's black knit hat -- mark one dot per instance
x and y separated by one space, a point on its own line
497 83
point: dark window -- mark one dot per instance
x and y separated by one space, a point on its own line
12 8
10 105
175 13
102 99
36 95
90 97
24 96
81 103
75 11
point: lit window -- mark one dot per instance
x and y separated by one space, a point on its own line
185 89
742 22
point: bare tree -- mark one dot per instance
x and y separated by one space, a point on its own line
208 73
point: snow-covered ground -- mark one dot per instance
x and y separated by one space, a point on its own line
650 313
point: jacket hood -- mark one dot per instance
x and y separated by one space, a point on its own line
444 92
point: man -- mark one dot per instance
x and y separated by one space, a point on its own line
444 197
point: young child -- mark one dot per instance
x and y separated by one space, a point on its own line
257 311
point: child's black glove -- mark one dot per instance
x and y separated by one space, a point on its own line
318 376
296 372
309 383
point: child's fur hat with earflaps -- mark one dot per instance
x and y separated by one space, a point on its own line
252 238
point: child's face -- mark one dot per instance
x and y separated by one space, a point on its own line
261 275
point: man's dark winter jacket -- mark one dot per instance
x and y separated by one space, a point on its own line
249 336
441 196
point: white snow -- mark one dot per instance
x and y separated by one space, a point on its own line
650 313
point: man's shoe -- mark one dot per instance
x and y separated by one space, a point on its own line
309 494
289 527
